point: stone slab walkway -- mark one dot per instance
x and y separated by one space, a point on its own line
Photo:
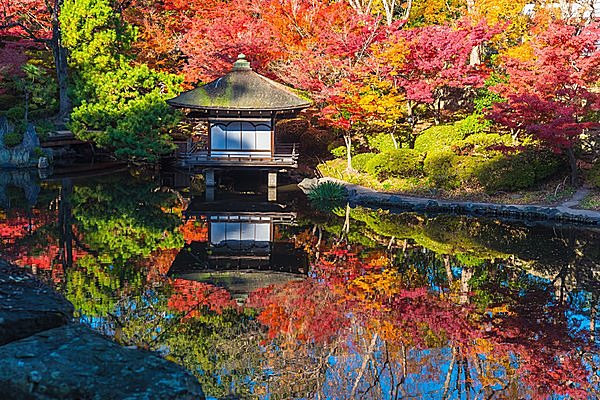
362 196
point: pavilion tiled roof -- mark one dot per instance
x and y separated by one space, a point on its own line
241 89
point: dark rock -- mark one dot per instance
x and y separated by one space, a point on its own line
4 129
30 139
21 179
308 184
63 367
27 306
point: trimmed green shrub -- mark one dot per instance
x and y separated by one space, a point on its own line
473 124
544 163
38 152
467 168
468 260
593 175
12 139
440 168
399 163
328 195
506 173
338 152
359 161
381 142
480 143
16 114
487 139
438 137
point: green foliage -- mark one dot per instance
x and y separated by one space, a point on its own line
474 123
468 260
338 152
544 163
130 115
7 101
485 98
395 163
484 140
438 137
328 195
380 142
493 171
13 138
359 161
40 87
16 114
122 222
36 87
506 173
439 166
593 175
481 144
38 152
95 34
119 107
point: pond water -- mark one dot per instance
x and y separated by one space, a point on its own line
275 300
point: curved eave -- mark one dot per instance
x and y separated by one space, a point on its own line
238 109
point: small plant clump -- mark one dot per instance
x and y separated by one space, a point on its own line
328 195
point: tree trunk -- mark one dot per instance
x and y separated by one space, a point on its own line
437 106
412 122
465 276
26 107
60 63
475 56
348 142
65 215
572 166
394 141
448 268
593 312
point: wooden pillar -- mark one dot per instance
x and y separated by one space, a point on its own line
209 178
272 194
209 193
272 179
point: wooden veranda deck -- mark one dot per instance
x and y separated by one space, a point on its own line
285 156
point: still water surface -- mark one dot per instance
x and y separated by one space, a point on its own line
275 300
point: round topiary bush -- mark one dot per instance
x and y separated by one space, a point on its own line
507 173
440 168
359 161
438 137
401 163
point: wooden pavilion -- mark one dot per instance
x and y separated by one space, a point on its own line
241 108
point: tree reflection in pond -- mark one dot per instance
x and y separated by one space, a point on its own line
394 305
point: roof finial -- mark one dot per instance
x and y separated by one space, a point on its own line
241 64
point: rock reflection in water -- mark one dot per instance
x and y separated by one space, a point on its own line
363 303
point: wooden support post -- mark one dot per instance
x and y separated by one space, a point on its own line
272 194
209 178
272 180
209 193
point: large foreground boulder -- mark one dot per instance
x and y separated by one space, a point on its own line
28 306
44 355
74 362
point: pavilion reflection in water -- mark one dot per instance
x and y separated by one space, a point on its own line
245 247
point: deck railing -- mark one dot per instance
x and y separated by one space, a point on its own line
196 154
